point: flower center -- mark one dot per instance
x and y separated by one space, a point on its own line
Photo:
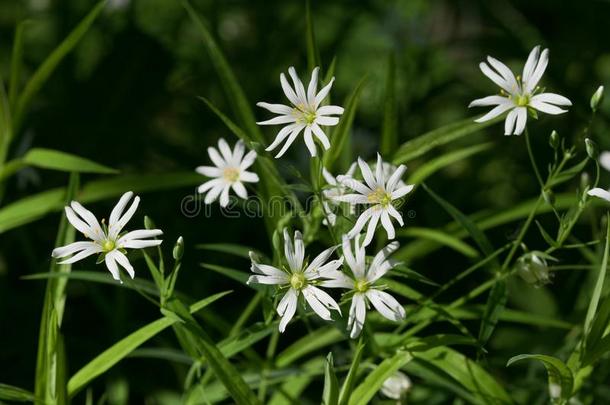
522 100
361 285
380 196
298 281
304 114
108 245
230 174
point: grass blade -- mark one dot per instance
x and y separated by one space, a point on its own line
11 393
313 54
350 379
57 160
330 395
560 376
389 127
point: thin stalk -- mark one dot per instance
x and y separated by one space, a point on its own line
532 158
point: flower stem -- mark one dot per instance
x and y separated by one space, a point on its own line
532 158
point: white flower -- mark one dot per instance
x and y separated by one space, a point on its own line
106 240
304 114
519 93
604 161
362 284
334 189
396 386
230 172
298 278
379 192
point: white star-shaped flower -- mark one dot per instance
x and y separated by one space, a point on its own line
298 278
334 189
230 172
380 191
108 241
305 114
604 161
362 284
519 93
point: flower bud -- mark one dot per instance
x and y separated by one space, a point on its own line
178 250
554 140
585 180
548 196
148 223
533 269
396 386
592 149
596 98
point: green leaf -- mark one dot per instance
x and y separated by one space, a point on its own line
342 130
437 137
117 352
290 391
309 343
429 168
389 127
599 285
350 379
313 54
560 376
442 238
330 395
50 360
47 68
493 309
30 208
233 91
57 160
16 60
11 393
367 389
236 250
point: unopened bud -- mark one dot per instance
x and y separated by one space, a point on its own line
554 140
533 268
548 196
592 149
396 385
596 98
148 223
585 180
178 250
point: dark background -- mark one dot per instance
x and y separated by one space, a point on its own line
126 97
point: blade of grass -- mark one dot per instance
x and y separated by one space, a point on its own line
313 54
389 127
350 379
16 60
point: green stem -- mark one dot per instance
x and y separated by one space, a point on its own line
532 158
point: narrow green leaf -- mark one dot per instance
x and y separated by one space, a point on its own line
442 238
493 309
342 130
350 379
16 60
599 285
389 127
429 168
236 250
330 394
311 342
115 353
313 54
11 393
367 389
560 376
57 160
47 68
233 90
35 206
437 137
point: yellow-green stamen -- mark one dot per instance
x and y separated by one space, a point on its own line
380 196
522 100
361 285
230 174
297 281
108 245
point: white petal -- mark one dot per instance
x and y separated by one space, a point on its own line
87 216
386 305
118 209
509 124
496 111
370 231
383 254
224 196
309 141
604 160
249 177
355 185
326 121
209 184
225 150
530 64
313 87
287 307
323 93
298 86
268 280
213 194
116 228
280 119
379 173
311 272
600 192
367 174
543 61
83 254
288 91
112 267
401 192
487 101
505 72
319 301
552 98
360 222
72 248
280 109
248 160
216 158
140 234
395 214
521 120
290 140
78 223
494 77
240 190
140 244
320 135
357 315
299 250
387 225
209 171
238 153
395 178
546 108
329 110
284 132
268 270
123 261
352 198
337 279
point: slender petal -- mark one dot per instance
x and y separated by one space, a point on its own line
276 108
509 124
386 305
600 192
496 111
287 307
357 315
